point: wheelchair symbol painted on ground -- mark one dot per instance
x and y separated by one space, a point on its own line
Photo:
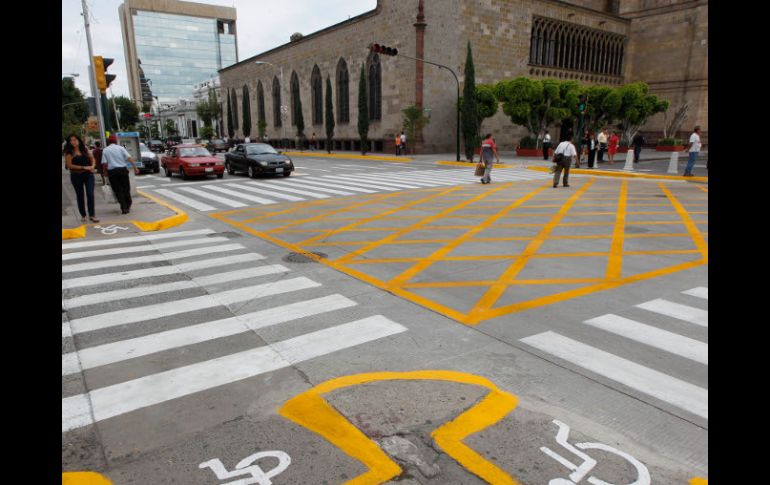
111 229
248 466
580 471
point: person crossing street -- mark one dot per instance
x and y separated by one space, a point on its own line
117 160
563 157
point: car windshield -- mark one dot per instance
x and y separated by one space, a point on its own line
156 142
260 149
194 152
143 148
217 141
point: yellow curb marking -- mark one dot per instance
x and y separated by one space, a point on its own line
313 412
626 174
180 217
699 481
349 157
84 478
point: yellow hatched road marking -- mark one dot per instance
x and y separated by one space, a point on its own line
700 243
615 261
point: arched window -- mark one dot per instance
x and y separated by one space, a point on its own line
343 97
316 90
294 97
234 104
276 102
260 104
375 88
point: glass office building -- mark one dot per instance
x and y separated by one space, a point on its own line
168 52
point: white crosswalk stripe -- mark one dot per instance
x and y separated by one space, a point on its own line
140 249
655 342
133 239
211 196
103 301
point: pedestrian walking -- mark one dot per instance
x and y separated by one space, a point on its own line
590 146
546 145
117 159
313 143
612 148
403 142
397 141
563 156
602 139
693 148
488 150
98 157
638 142
81 164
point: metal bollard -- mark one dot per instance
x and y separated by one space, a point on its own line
629 166
673 165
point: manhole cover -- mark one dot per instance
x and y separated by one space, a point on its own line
636 230
301 258
662 196
228 235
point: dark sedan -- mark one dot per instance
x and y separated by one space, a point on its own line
257 159
216 146
157 146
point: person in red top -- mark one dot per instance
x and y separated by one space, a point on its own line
613 147
488 150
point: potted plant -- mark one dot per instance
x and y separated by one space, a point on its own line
528 147
670 145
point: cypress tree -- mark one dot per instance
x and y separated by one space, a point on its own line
230 130
246 126
300 120
329 116
234 95
470 117
363 111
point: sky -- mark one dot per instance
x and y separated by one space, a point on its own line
261 25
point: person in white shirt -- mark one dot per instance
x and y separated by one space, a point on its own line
565 154
693 148
117 159
403 142
602 139
546 145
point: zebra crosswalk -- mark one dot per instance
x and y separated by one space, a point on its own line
655 343
109 292
243 192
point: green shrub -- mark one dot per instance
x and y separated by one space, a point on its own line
528 142
670 142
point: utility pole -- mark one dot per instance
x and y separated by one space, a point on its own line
92 76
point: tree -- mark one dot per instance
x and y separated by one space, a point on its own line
534 104
234 95
74 107
207 133
170 128
603 104
363 111
637 105
246 126
470 116
129 112
670 128
329 116
230 130
415 120
487 105
299 119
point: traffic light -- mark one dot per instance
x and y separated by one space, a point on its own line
582 103
103 80
384 50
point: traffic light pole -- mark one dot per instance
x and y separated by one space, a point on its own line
92 75
458 94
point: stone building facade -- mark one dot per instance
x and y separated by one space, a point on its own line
661 42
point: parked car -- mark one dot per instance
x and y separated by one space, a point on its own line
217 145
149 161
257 159
189 160
157 146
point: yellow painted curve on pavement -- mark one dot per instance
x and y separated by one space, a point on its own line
84 478
313 412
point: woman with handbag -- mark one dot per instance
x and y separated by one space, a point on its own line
488 149
613 147
81 164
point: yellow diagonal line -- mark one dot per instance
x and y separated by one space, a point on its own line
353 225
703 188
495 291
695 233
422 265
419 224
615 261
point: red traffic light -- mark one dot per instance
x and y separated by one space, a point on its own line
384 50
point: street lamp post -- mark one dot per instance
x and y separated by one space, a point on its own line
283 107
160 121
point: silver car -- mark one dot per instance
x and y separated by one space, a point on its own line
149 161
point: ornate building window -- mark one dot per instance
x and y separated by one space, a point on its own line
554 43
276 102
294 97
316 91
343 93
375 88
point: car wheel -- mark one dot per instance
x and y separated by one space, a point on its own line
252 173
286 174
155 170
220 175
168 172
229 168
182 174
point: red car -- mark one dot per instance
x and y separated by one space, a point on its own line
189 160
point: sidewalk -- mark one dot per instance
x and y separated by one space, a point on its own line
147 213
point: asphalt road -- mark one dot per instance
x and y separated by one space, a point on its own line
448 332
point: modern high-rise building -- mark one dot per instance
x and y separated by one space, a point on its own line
170 46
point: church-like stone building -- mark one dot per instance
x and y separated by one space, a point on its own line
610 42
